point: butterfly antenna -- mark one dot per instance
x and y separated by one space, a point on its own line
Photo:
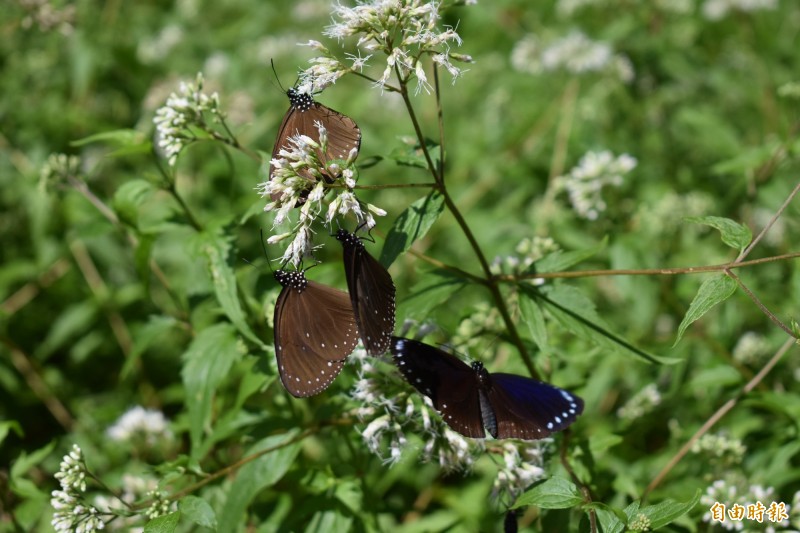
272 64
264 247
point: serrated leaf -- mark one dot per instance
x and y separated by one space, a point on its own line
611 519
713 291
256 475
411 225
734 234
163 524
532 315
553 493
217 249
198 511
560 260
129 197
666 512
206 364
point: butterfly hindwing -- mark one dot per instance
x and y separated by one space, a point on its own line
445 379
372 294
315 331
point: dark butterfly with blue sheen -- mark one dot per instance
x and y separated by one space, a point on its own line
315 331
372 294
343 133
471 399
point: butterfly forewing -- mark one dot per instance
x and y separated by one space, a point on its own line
315 331
528 409
300 119
372 294
450 383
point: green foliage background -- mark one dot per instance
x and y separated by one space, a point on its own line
102 333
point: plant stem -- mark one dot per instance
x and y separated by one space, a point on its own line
438 176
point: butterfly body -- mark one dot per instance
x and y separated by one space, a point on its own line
301 118
372 294
315 331
471 399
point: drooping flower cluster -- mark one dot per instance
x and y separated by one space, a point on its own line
574 53
301 175
72 513
584 184
392 413
182 111
523 465
403 30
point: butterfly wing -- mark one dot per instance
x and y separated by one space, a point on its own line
315 331
372 294
300 119
445 379
528 409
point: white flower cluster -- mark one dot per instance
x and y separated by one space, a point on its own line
299 177
523 465
181 111
720 448
391 413
718 9
148 425
640 403
528 251
584 184
59 167
71 511
403 30
751 348
574 53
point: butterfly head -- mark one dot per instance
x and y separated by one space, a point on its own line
347 238
484 381
299 100
293 279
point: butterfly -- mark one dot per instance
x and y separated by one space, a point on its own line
372 293
471 399
315 331
301 118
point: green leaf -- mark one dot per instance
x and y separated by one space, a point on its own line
126 141
255 476
129 197
217 249
9 425
163 524
533 316
553 493
667 511
411 225
734 234
198 511
560 261
331 520
748 158
144 336
577 313
712 292
206 364
411 155
434 287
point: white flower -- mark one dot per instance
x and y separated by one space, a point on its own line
718 9
138 422
584 184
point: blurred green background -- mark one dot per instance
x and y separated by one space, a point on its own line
88 332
